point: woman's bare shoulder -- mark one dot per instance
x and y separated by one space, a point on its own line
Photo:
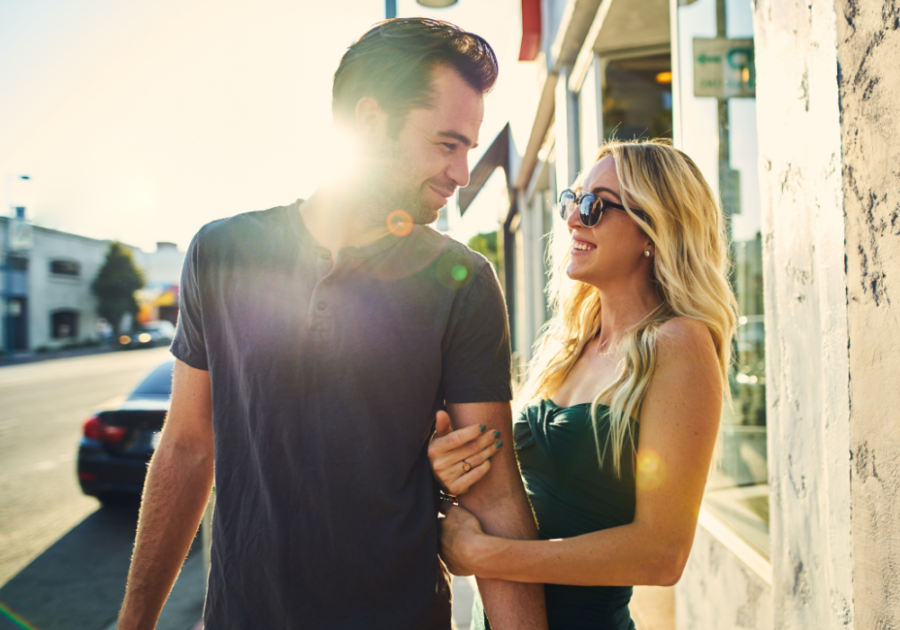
686 352
685 337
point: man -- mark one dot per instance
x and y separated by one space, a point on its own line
316 341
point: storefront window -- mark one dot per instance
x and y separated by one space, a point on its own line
636 95
716 126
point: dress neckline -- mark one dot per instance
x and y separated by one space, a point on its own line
553 404
576 405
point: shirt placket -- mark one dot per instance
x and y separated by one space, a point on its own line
319 316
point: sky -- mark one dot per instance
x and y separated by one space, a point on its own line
142 120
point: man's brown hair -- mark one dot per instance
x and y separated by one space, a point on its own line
393 62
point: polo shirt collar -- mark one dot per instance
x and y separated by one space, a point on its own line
366 251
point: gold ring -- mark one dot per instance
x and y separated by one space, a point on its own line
466 466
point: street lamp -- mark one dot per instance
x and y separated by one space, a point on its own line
390 6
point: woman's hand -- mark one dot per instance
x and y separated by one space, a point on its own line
460 532
460 458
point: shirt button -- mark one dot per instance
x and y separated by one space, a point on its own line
327 280
322 305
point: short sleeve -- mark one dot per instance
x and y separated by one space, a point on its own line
189 344
476 352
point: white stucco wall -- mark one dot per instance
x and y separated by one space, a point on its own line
869 61
806 320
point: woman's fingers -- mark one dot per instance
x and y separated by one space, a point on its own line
479 464
462 483
441 446
460 458
487 444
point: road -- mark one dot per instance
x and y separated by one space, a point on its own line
63 557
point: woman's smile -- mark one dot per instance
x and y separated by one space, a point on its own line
581 247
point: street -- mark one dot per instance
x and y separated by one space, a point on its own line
63 556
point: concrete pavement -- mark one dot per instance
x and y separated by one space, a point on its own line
63 556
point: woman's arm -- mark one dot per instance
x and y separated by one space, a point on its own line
679 425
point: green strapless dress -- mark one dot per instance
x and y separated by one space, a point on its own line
572 495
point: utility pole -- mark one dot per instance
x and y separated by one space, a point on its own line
11 303
729 183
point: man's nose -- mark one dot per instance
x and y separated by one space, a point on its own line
459 169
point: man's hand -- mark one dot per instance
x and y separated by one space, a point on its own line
175 494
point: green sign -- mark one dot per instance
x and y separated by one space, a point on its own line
724 68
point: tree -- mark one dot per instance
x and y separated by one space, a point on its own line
115 285
486 245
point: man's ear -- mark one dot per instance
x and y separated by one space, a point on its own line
371 120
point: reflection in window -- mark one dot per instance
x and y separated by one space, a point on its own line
65 268
637 97
64 324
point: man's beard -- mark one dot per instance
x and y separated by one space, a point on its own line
413 202
390 190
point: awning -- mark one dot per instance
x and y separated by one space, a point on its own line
496 155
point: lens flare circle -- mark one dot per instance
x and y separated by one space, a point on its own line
459 273
651 470
400 223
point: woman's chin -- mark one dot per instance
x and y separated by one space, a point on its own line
575 271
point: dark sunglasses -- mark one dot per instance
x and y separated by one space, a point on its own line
590 207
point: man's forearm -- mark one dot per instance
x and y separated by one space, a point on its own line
175 494
509 605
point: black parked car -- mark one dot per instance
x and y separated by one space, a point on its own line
150 335
117 443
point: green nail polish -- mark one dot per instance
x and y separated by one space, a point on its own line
490 459
482 427
499 443
496 434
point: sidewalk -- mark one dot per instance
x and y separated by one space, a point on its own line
33 357
652 607
185 604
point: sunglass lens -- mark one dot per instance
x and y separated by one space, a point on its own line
566 203
590 210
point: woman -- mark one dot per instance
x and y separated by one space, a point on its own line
621 410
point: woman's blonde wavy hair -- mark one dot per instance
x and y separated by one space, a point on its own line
690 270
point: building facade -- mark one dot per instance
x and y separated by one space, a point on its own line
790 110
45 284
162 273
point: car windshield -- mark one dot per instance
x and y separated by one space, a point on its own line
158 382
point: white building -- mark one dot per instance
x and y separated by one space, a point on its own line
45 285
790 110
162 273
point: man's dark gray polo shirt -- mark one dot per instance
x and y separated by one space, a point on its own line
325 381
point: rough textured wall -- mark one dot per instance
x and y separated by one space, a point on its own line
718 592
806 320
869 61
